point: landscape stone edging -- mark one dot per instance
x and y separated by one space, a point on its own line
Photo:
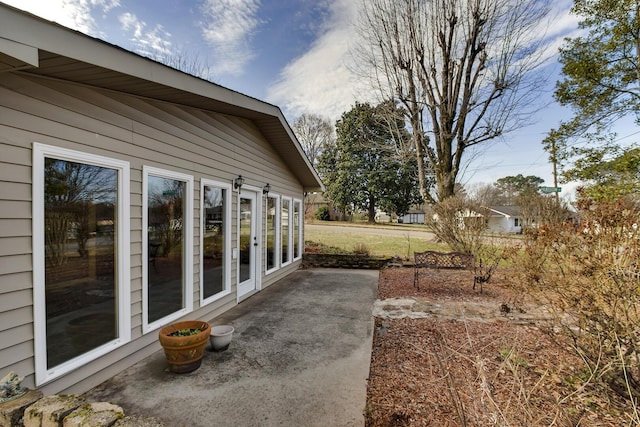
355 261
33 410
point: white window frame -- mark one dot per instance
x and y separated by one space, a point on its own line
226 239
187 247
298 254
40 151
278 231
283 262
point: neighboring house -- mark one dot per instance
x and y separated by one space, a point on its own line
504 219
382 216
414 216
121 205
313 202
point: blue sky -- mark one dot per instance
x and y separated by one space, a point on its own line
292 53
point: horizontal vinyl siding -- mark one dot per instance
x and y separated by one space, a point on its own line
143 132
10 172
15 227
14 282
16 245
11 264
14 318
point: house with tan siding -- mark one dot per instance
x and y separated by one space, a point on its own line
132 195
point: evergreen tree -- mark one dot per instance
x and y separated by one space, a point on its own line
367 168
602 84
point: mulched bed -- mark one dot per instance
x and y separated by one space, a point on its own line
475 372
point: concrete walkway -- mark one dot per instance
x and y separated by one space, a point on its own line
299 357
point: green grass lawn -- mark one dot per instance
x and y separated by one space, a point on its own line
379 245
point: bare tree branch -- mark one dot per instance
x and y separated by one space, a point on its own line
464 72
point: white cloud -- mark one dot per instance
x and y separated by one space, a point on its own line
228 29
562 24
75 14
320 81
107 5
147 42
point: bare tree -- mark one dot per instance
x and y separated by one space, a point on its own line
187 62
314 133
463 70
483 194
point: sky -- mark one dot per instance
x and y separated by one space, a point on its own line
294 54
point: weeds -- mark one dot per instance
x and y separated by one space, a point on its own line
361 249
590 276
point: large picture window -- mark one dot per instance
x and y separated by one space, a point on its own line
285 218
81 258
272 217
215 240
167 246
297 228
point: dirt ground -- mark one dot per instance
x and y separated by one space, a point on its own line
447 355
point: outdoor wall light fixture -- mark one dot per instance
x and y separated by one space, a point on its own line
266 189
237 183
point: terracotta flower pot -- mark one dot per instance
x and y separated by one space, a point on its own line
184 353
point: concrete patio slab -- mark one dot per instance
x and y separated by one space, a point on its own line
299 357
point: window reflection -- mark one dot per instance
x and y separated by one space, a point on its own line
285 231
272 226
213 241
80 250
166 213
296 229
246 232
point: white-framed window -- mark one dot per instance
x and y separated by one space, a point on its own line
81 258
286 241
297 227
272 233
215 240
167 246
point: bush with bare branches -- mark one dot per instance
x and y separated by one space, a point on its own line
590 276
458 223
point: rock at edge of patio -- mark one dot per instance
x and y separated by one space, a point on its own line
94 414
51 410
12 411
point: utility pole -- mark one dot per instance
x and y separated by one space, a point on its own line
554 162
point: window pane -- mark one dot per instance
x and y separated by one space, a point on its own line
296 228
166 209
272 226
80 250
285 230
246 231
213 241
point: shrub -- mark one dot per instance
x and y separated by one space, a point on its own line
322 213
361 249
590 277
458 224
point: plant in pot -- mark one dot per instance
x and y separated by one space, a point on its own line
184 344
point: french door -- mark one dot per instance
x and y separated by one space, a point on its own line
249 243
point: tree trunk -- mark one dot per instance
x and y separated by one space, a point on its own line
372 210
